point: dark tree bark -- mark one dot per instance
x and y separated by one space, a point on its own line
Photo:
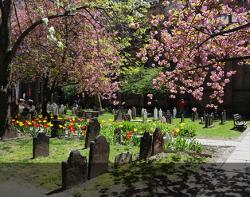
5 61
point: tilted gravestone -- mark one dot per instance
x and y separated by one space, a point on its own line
41 145
145 146
98 157
123 158
93 130
158 142
133 113
118 135
74 171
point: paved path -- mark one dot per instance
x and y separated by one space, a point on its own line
209 142
241 154
18 188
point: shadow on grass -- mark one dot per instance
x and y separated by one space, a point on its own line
176 179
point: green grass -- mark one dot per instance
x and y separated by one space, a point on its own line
16 160
218 131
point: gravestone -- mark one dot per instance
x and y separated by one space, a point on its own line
155 114
194 116
74 171
222 118
145 146
123 158
202 120
62 110
118 135
98 157
119 115
142 112
40 145
160 114
145 116
158 142
174 112
168 117
182 118
133 113
163 120
54 109
130 114
93 130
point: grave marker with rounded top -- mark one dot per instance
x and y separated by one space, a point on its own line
41 145
98 157
123 158
74 171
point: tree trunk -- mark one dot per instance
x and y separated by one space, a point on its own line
47 92
100 102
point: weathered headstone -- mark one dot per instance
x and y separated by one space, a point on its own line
182 118
130 114
123 158
119 115
62 110
169 117
98 157
160 114
118 135
142 112
174 112
145 146
55 111
40 145
222 118
145 116
93 130
133 113
202 120
158 142
155 114
74 171
163 120
194 116
126 117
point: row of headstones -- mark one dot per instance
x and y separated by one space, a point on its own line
55 109
208 119
121 115
77 170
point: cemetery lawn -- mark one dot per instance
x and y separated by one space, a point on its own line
16 160
218 131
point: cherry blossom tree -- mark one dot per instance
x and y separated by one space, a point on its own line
194 40
78 51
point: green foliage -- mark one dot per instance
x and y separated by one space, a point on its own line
187 130
138 80
184 144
